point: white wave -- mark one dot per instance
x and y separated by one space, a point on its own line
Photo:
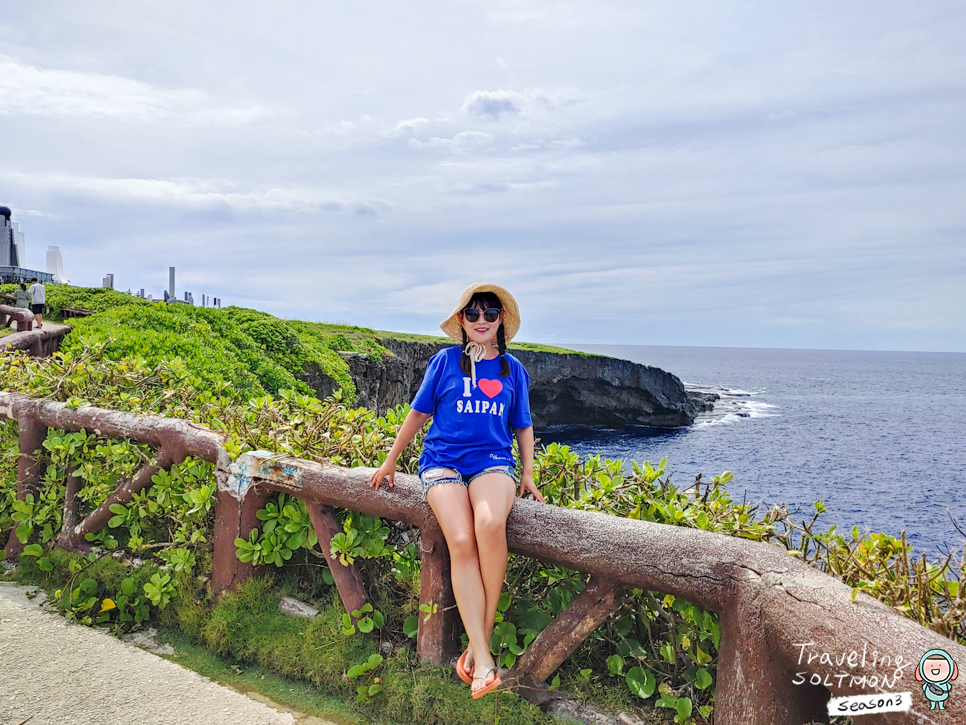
728 410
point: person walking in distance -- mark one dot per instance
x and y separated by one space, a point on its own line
38 299
476 394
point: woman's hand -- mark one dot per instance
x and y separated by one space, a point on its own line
528 486
386 472
407 431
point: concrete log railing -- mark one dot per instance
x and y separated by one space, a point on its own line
791 636
39 342
23 316
173 440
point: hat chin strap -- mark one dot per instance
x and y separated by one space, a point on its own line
475 351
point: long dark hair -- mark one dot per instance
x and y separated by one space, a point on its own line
486 300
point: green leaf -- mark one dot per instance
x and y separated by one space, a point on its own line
641 682
24 530
411 626
684 707
374 690
33 550
615 663
356 671
703 679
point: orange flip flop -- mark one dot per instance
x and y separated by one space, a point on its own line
461 668
488 688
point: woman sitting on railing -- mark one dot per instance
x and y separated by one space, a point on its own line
475 394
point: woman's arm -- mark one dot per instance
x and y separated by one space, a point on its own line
525 443
407 431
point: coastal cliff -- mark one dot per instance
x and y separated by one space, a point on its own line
565 389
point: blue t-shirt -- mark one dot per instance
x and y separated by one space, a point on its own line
471 427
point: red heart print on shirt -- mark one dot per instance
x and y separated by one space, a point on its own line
490 388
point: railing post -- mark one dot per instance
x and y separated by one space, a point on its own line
563 635
348 578
437 639
30 466
235 518
752 688
73 485
98 518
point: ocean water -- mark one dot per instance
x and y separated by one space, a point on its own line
879 436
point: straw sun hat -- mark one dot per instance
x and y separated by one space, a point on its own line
511 313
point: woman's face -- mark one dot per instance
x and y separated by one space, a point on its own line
481 331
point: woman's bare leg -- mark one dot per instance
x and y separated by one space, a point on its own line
491 497
451 504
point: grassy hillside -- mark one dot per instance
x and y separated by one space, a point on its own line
257 352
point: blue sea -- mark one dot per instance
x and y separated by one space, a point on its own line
879 436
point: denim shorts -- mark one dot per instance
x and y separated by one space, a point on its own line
433 476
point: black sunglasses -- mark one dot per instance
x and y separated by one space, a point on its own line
472 314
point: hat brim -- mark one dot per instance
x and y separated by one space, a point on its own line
511 311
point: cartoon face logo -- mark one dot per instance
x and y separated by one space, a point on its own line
936 671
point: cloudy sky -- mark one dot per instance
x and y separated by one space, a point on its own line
730 173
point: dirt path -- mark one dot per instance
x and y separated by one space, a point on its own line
56 672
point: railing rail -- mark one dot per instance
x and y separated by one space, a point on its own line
791 636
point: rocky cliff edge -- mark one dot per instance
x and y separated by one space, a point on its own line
565 389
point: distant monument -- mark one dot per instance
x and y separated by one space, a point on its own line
12 252
13 255
55 265
169 295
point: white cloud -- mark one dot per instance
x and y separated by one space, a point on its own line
461 142
497 104
26 89
691 158
192 193
412 123
493 103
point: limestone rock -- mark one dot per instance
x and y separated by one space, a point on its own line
567 390
295 608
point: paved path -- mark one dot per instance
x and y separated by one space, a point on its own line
55 672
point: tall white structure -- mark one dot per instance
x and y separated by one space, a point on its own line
55 264
13 251
108 281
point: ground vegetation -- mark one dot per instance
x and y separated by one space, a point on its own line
234 370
